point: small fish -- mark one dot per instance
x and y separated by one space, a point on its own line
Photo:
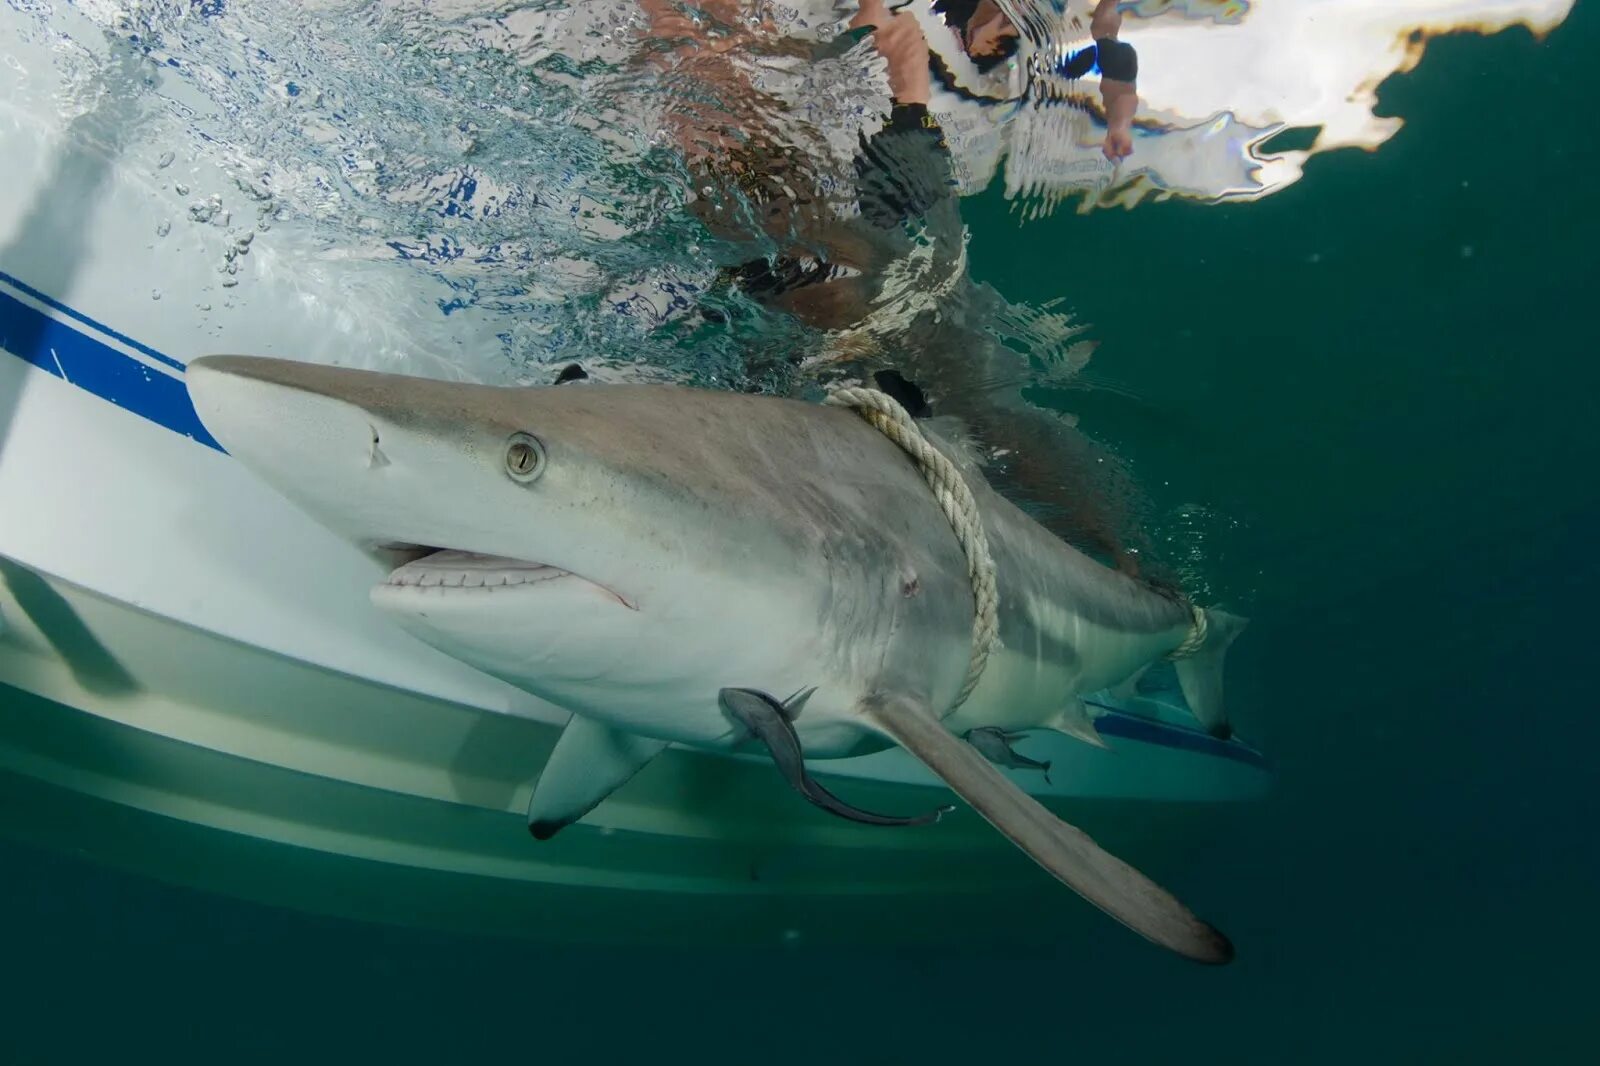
772 723
995 745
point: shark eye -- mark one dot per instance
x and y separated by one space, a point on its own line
524 457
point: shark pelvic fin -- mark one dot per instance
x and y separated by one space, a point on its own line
1075 721
1200 675
591 760
772 723
1067 852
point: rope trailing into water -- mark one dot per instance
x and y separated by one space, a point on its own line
955 500
1196 637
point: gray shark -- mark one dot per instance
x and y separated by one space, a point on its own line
662 560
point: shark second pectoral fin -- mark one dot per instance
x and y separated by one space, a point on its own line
591 760
772 723
1064 850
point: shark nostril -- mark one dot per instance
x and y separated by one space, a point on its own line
375 456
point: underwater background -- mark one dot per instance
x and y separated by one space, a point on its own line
1386 373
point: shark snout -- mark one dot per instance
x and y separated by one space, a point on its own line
289 424
260 409
399 464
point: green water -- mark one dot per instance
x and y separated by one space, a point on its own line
1403 422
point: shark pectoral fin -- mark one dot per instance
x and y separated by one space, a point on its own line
591 760
1200 674
771 722
1067 852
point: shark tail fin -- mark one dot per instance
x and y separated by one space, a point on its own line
1200 673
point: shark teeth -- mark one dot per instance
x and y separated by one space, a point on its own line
467 570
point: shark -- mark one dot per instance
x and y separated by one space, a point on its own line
724 572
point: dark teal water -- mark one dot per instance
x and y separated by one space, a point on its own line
1407 432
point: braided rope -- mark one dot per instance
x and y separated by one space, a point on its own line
955 500
1196 637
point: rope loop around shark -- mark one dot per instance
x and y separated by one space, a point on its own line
664 561
891 419
957 503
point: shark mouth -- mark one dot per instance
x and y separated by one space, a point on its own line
447 568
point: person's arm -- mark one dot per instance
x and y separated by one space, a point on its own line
1106 20
1119 71
899 40
706 51
1121 101
903 170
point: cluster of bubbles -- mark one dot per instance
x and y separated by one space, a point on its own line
477 147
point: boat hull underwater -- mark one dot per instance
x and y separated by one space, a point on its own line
195 685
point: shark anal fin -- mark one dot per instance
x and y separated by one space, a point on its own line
771 723
1075 721
1066 851
1129 688
590 761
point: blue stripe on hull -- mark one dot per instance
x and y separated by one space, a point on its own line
56 305
62 349
1116 723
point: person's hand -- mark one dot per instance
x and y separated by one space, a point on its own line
899 40
870 13
1122 101
1119 145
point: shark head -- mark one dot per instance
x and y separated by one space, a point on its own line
591 544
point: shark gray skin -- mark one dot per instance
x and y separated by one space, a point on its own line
639 554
